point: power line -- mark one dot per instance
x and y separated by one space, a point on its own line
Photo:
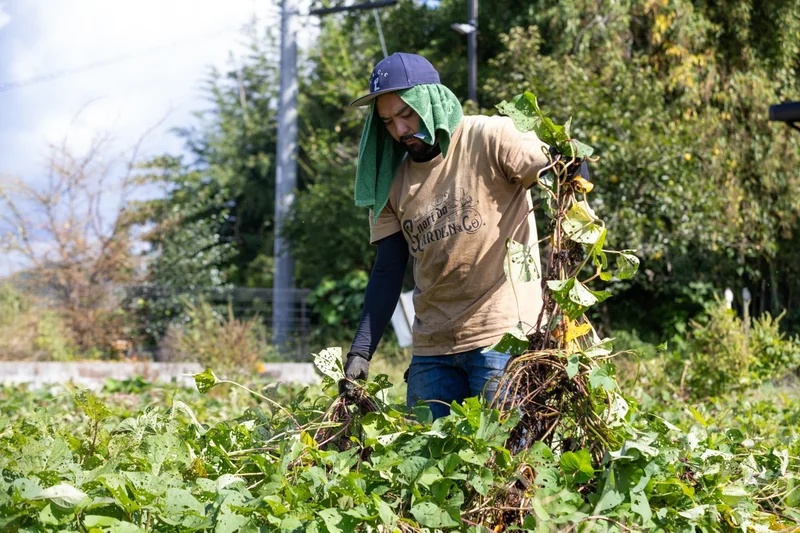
61 73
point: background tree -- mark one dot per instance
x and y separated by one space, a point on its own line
693 175
74 239
214 226
223 190
673 93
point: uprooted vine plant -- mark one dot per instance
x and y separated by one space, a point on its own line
558 379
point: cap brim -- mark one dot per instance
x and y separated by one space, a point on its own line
364 100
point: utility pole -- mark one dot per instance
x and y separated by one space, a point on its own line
470 29
472 49
286 161
285 175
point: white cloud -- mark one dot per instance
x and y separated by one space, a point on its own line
5 18
155 55
160 52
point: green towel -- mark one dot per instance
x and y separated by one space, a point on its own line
379 155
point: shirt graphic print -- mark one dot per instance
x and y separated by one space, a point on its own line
448 214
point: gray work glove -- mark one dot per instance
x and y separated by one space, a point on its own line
355 367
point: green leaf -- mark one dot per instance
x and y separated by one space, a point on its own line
205 380
513 343
627 265
694 513
573 297
520 264
332 518
520 110
732 494
377 384
601 349
575 149
387 515
579 224
431 515
573 365
598 256
540 511
412 467
602 377
617 411
62 494
92 407
483 481
581 295
179 405
329 362
180 501
609 500
578 465
524 110
291 524
110 524
53 515
641 506
228 522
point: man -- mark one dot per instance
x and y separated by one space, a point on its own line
447 190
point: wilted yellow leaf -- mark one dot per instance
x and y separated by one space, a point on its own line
582 185
575 331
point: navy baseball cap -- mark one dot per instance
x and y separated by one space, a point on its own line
396 72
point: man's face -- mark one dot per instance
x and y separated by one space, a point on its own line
402 123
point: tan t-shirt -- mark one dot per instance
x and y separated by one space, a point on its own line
456 214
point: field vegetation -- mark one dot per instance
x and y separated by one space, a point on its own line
662 408
711 444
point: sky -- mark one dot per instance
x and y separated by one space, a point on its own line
125 65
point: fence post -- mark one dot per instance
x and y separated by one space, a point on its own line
303 325
729 298
746 297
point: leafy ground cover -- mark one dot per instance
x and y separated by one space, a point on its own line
135 457
567 447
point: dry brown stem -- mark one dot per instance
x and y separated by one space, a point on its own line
72 237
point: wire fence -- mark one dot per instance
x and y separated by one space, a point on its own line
244 303
41 321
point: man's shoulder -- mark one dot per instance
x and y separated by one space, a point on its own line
485 126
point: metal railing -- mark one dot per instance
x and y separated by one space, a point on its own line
245 303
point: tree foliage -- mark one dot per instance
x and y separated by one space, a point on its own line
217 218
672 93
75 244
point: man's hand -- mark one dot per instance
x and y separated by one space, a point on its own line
355 367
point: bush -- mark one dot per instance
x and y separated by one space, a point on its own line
719 353
29 331
215 340
724 353
336 304
774 355
52 337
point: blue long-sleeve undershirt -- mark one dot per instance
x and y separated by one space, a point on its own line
380 298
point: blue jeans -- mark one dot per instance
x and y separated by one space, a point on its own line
454 377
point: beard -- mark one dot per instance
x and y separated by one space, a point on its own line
419 151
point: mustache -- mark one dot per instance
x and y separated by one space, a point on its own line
410 136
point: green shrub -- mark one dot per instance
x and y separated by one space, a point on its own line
724 354
336 304
52 338
217 340
629 341
719 354
12 304
774 354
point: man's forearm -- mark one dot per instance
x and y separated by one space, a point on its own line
380 298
